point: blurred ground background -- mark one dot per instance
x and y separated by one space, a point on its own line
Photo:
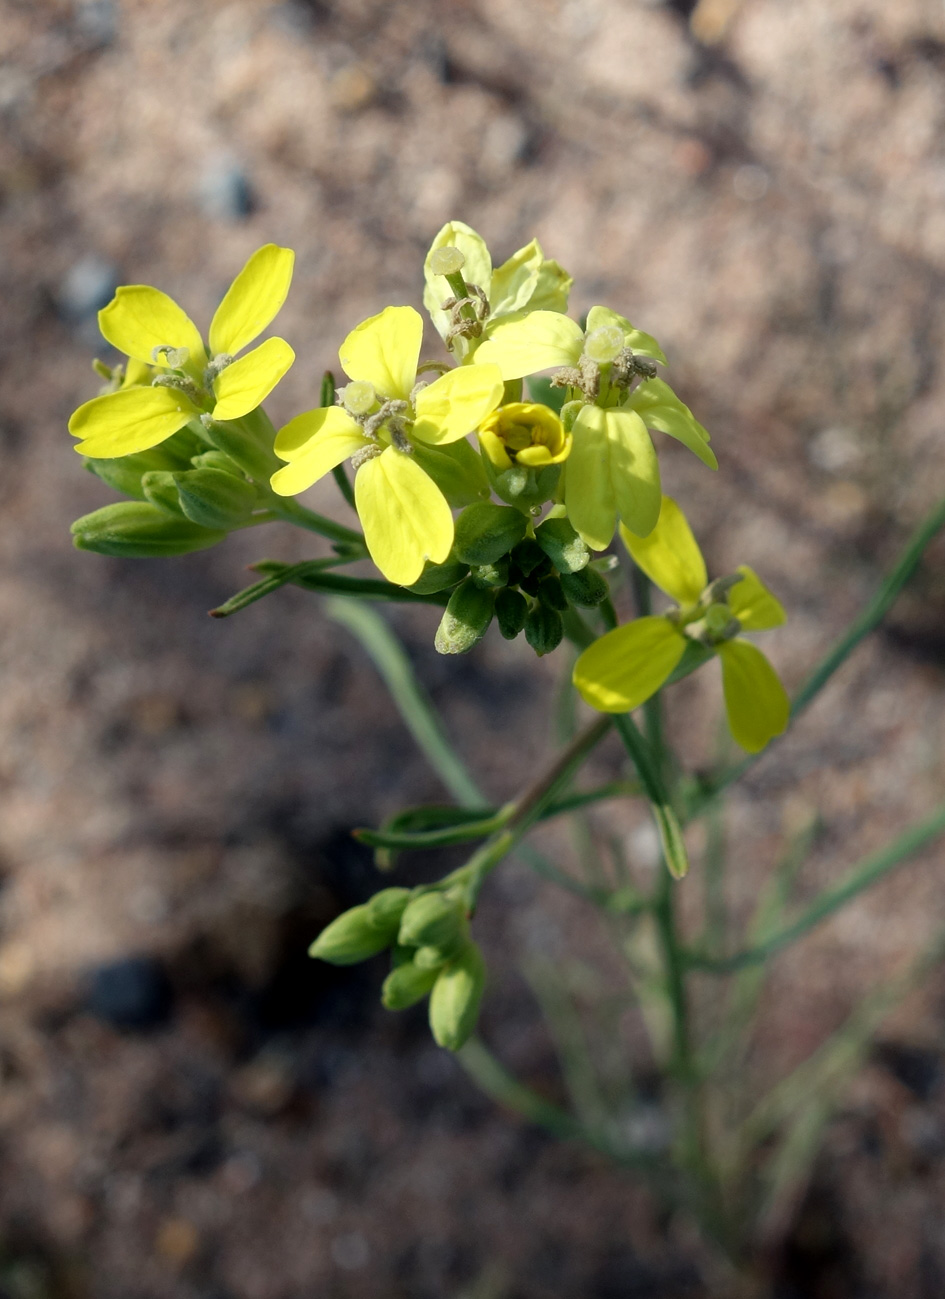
189 1109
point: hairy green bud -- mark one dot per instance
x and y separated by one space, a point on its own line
456 998
439 577
551 593
544 629
406 985
465 619
386 908
431 920
160 488
485 532
491 576
139 530
350 939
214 498
511 610
586 588
217 460
562 545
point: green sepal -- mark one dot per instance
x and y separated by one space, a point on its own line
562 545
439 577
217 460
125 473
586 589
465 619
349 939
139 530
431 920
491 576
248 441
520 485
551 593
456 998
214 498
406 985
485 532
544 629
511 610
456 469
385 910
160 489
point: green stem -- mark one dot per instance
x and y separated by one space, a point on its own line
667 823
311 578
861 877
292 512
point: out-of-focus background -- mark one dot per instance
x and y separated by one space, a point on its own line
189 1108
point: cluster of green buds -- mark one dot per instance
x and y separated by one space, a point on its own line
426 931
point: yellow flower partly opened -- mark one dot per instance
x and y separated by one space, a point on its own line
613 471
189 379
405 516
628 665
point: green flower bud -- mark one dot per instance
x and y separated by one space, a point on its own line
406 985
138 530
439 577
456 469
124 474
551 593
527 556
562 545
215 499
160 489
485 532
431 920
349 939
386 908
585 589
465 619
248 441
490 576
456 997
544 629
511 610
434 958
217 460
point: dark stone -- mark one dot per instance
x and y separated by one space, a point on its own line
131 994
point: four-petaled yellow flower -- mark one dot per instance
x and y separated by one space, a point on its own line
628 665
613 471
405 516
153 331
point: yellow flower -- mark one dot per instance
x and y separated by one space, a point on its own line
613 471
524 433
405 516
628 665
527 280
189 380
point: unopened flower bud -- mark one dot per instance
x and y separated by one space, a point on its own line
349 939
139 530
446 261
465 619
586 589
511 610
456 998
604 344
215 498
406 985
431 920
385 910
544 629
485 532
562 545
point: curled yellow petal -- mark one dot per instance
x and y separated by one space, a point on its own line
515 281
753 604
404 514
527 342
670 555
314 443
457 402
130 420
384 350
756 702
628 665
138 319
250 380
253 299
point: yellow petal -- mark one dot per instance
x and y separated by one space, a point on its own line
494 448
628 665
753 604
634 471
514 282
250 380
136 373
253 299
477 270
531 341
551 289
138 319
758 707
130 420
384 350
314 443
588 490
457 403
670 555
404 514
661 409
645 344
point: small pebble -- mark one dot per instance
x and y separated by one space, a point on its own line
132 993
